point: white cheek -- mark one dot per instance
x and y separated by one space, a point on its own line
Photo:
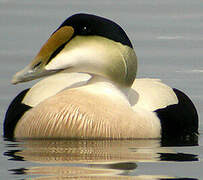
61 61
81 57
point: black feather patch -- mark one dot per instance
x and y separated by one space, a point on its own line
179 120
15 111
87 24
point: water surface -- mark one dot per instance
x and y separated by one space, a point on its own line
102 159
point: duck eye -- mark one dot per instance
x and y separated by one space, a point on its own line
85 30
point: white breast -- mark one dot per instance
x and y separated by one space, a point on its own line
98 110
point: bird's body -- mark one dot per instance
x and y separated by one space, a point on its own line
91 90
95 110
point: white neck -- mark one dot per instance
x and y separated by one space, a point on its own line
97 55
100 85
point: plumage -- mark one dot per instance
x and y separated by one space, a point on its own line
91 90
88 115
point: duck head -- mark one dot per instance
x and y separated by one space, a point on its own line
85 43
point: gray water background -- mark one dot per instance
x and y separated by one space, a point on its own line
167 36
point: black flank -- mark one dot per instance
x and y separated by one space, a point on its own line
179 120
15 111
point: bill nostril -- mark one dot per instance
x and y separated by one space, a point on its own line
37 65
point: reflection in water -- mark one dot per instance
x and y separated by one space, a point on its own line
191 140
90 151
178 157
89 159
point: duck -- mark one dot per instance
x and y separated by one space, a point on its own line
89 90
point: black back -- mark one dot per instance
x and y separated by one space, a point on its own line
15 111
179 120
